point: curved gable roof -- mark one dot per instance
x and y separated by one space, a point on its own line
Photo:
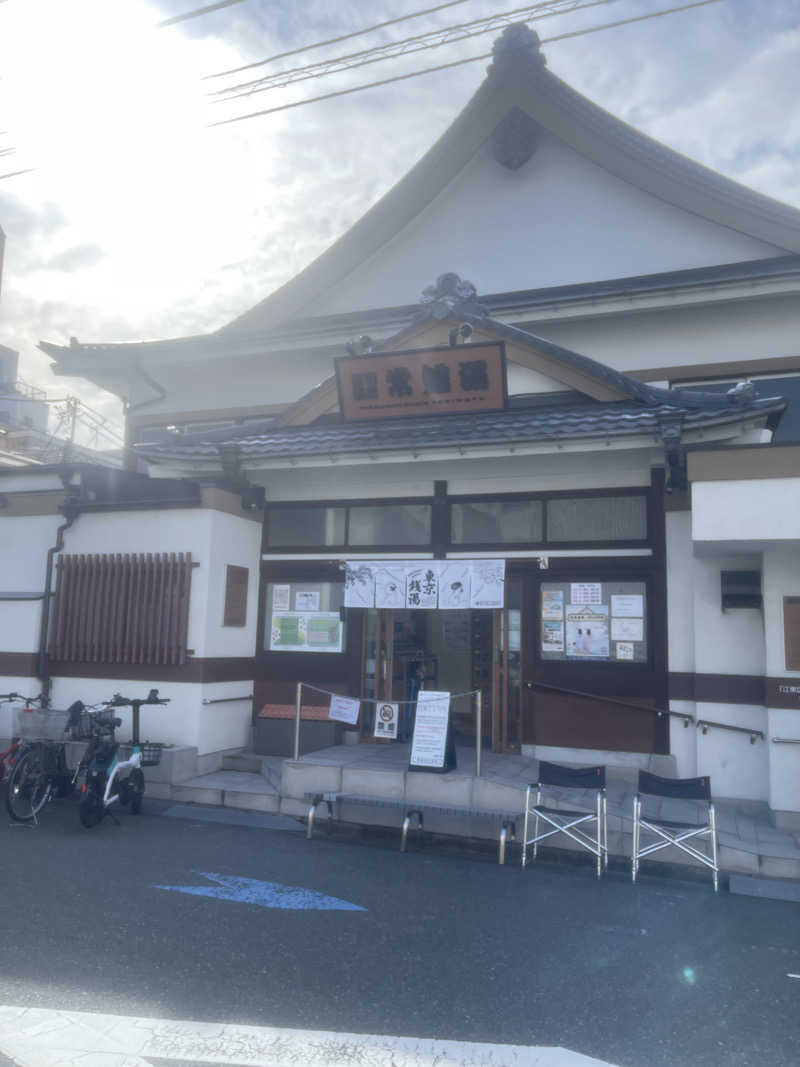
518 80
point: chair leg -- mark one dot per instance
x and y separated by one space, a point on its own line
599 834
635 848
536 823
605 829
312 811
712 818
525 826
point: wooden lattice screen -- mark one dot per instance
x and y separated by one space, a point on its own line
115 608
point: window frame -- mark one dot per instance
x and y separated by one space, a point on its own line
361 550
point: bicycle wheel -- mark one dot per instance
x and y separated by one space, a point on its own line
136 790
91 810
28 787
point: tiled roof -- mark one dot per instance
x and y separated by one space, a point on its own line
540 422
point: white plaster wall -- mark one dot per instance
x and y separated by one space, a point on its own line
557 220
726 642
682 739
504 474
746 510
236 541
781 577
170 530
24 541
729 642
225 726
752 327
28 687
737 768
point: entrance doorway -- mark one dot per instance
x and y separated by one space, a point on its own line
449 651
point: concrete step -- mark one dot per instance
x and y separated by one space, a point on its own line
242 790
243 761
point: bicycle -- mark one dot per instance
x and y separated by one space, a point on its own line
109 779
40 770
7 757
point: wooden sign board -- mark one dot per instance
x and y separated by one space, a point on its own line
441 381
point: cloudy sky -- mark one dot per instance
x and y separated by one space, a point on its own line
140 221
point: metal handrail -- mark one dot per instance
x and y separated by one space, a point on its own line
786 740
613 700
755 735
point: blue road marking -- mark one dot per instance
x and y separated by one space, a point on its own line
264 894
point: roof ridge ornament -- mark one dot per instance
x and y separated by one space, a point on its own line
451 294
517 50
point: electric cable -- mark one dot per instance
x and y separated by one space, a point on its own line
457 63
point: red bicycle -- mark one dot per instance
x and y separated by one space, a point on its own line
7 757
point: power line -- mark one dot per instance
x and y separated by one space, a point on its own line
196 13
459 63
418 43
15 173
337 40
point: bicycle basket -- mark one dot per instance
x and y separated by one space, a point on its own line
40 724
151 753
87 726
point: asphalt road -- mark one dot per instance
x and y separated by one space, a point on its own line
449 946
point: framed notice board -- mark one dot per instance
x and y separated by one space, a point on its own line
593 622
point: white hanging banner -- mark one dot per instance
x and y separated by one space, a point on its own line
449 585
359 585
488 583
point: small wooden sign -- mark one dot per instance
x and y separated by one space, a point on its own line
442 381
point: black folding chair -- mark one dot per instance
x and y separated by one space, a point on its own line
676 832
572 823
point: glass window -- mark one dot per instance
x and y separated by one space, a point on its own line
594 622
484 522
390 524
305 617
305 527
598 518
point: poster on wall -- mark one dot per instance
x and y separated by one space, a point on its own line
306 601
552 604
344 709
386 720
631 606
280 597
624 650
359 585
422 587
587 631
431 729
627 629
552 636
585 593
390 587
299 631
487 589
454 586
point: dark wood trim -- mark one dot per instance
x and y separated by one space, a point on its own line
717 688
677 501
440 521
18 664
710 371
205 670
657 615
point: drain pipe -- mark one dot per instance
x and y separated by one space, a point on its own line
71 512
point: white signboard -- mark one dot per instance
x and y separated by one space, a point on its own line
422 587
343 709
627 630
429 744
454 586
630 607
587 631
306 601
624 650
280 597
390 586
488 583
585 593
359 585
386 719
